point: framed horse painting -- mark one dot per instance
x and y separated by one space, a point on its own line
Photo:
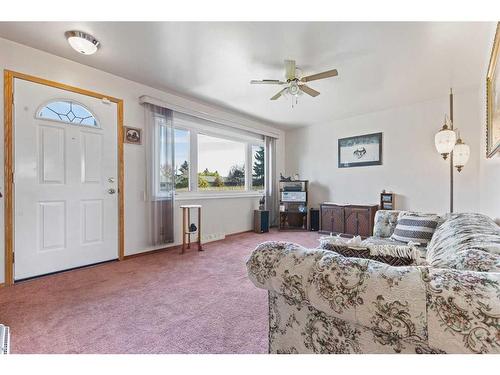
360 151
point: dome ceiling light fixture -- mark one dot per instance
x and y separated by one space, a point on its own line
82 42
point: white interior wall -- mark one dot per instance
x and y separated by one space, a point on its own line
219 215
411 166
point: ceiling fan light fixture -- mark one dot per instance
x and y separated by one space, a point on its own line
82 42
294 85
293 89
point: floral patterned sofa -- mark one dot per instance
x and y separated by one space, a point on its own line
323 302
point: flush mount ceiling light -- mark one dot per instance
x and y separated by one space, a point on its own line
82 42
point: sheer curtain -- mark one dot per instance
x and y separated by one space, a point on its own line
271 181
159 135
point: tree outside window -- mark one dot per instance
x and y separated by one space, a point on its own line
258 167
181 159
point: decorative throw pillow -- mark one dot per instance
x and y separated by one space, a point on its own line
417 229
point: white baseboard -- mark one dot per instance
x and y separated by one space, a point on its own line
212 237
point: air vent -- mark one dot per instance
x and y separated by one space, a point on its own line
4 339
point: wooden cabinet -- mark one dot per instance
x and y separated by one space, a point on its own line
332 218
352 220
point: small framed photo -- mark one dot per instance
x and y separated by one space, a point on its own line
132 135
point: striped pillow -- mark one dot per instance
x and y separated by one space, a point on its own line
415 228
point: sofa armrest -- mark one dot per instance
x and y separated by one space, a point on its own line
373 294
283 267
463 310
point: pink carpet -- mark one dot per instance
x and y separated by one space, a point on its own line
160 303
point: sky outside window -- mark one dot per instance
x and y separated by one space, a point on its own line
221 163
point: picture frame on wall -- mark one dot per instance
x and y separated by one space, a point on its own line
493 99
360 151
132 135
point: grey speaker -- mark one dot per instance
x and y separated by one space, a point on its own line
261 221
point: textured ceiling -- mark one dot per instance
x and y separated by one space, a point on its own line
381 65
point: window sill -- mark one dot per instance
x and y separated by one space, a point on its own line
215 195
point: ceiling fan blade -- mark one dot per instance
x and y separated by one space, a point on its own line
290 69
309 91
279 94
267 82
327 74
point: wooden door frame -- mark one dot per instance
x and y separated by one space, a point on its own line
9 77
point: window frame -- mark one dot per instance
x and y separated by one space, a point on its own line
193 192
157 192
190 167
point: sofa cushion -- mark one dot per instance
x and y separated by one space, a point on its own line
462 232
415 228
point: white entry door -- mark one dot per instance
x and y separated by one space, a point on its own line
65 180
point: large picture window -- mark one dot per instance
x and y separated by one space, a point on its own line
216 161
221 164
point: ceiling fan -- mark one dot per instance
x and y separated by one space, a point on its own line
295 85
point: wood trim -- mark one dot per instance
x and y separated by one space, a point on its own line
61 86
121 184
9 76
8 95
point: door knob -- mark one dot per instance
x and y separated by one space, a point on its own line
111 191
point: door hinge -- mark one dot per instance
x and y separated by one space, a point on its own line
13 257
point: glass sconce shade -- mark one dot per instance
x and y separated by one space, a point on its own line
461 154
445 140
